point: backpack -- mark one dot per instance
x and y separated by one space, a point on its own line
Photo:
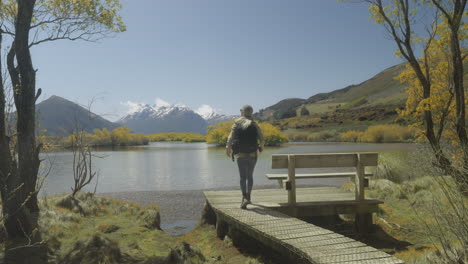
245 141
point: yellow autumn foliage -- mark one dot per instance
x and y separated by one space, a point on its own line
441 101
121 136
177 136
218 134
351 136
381 134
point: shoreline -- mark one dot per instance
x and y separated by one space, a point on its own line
178 205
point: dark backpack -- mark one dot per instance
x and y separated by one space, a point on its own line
245 141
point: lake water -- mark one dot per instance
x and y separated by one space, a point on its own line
183 166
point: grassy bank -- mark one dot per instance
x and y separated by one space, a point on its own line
423 218
103 230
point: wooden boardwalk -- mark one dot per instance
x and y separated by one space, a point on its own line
293 237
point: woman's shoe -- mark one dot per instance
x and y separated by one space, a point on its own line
244 203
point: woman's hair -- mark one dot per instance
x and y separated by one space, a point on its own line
247 111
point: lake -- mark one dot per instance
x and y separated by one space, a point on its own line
163 166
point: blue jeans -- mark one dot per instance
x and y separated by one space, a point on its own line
246 168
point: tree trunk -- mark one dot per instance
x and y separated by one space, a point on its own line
20 205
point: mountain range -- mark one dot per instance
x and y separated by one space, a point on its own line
58 116
373 99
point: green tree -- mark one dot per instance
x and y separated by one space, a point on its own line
44 20
304 111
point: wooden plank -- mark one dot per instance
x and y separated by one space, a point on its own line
314 235
284 228
275 198
324 160
237 192
292 236
376 256
327 251
335 247
386 260
315 175
311 242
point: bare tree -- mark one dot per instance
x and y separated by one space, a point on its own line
83 172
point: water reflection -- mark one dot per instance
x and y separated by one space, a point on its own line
182 166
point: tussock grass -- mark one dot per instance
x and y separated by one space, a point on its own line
109 231
422 208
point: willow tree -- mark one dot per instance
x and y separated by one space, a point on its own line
436 94
28 23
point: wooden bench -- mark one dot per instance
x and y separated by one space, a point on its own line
326 160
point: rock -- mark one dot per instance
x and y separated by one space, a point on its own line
150 219
184 253
252 261
97 249
68 202
228 241
386 189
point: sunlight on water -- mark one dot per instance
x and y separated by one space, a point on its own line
183 166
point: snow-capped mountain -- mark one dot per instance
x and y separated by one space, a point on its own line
207 112
139 111
211 115
160 118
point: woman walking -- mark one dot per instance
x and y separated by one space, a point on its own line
245 142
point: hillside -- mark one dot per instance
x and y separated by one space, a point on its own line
380 91
60 117
323 116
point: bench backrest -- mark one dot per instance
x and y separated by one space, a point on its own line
325 160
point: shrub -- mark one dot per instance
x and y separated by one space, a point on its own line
219 133
355 103
273 136
388 133
177 136
121 136
304 111
351 136
298 137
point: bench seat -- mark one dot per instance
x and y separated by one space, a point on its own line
314 175
282 177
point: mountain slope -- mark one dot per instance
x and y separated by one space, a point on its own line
60 117
382 90
283 109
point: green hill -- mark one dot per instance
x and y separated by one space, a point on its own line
382 90
354 107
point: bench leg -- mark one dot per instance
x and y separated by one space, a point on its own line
363 222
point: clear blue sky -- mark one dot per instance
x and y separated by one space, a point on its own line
221 53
